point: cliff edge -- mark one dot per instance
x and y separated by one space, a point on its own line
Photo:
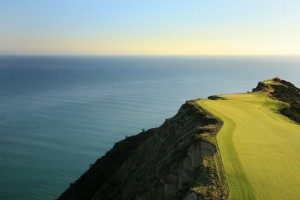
284 91
178 160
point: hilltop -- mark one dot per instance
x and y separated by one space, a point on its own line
181 159
283 91
260 146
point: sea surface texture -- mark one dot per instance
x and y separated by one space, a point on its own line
59 114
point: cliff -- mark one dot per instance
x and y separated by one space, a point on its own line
283 91
178 160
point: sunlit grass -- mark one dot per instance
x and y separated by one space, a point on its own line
260 148
271 82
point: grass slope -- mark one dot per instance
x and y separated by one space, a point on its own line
260 148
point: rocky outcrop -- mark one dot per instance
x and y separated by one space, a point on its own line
283 91
173 161
261 87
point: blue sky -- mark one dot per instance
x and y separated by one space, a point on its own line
150 27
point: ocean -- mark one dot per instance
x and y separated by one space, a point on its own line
60 113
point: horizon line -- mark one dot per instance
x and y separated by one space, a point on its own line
157 55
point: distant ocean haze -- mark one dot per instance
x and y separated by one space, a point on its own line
59 114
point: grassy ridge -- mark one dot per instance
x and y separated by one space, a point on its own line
259 147
230 158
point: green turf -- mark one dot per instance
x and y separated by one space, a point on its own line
260 148
271 82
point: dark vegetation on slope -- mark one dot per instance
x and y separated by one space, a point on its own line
286 92
178 160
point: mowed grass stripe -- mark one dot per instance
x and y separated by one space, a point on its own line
234 169
260 148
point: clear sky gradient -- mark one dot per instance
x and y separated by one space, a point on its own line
150 27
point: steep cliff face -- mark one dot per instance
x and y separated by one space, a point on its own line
178 160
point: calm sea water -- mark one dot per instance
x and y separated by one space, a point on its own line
59 114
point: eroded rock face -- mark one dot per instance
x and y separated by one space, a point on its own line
162 163
208 149
192 196
260 87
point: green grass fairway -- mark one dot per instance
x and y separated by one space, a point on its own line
260 148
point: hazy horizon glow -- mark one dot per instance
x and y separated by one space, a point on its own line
140 27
